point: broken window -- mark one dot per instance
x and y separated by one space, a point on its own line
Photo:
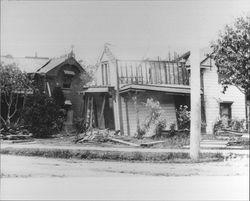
67 78
225 110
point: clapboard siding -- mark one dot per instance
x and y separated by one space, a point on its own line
213 96
167 108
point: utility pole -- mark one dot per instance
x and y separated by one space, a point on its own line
195 105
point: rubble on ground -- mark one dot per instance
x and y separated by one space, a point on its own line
96 135
15 134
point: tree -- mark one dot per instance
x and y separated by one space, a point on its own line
13 84
42 115
232 56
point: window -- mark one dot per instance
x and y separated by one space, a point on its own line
225 110
67 79
105 74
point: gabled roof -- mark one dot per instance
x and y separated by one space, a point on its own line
26 64
204 56
39 64
53 63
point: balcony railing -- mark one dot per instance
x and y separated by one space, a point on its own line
153 72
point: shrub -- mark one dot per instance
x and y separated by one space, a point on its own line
234 125
154 122
237 125
43 116
183 117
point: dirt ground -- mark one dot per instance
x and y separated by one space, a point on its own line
22 166
35 178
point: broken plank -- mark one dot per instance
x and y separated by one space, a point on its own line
123 142
148 144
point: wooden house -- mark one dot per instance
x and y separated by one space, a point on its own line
124 85
63 72
216 103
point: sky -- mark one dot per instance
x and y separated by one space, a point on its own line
51 28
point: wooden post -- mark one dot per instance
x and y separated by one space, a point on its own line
127 115
146 70
195 105
119 100
165 72
127 73
102 110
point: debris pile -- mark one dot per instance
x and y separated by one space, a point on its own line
100 136
96 135
18 134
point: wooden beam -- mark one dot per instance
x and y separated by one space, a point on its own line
119 100
102 110
169 74
127 72
165 72
146 70
91 113
132 74
141 74
136 71
127 116
173 73
178 74
123 142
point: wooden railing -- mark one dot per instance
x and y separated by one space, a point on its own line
153 72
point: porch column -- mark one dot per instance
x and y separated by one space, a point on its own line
119 100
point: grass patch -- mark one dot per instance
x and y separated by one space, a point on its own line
111 155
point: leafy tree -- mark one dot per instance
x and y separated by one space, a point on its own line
42 115
232 55
13 84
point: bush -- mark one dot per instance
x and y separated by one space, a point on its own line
183 117
43 116
237 125
233 124
154 122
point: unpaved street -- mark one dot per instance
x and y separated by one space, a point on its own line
23 166
32 178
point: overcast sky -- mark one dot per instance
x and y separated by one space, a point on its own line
51 28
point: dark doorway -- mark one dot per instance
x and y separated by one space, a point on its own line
109 113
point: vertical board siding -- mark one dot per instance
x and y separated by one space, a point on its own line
167 108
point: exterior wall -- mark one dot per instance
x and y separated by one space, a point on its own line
213 96
166 102
69 93
107 57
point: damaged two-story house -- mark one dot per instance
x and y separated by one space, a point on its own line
124 85
64 72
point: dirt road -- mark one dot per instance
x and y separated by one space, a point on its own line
22 166
32 178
